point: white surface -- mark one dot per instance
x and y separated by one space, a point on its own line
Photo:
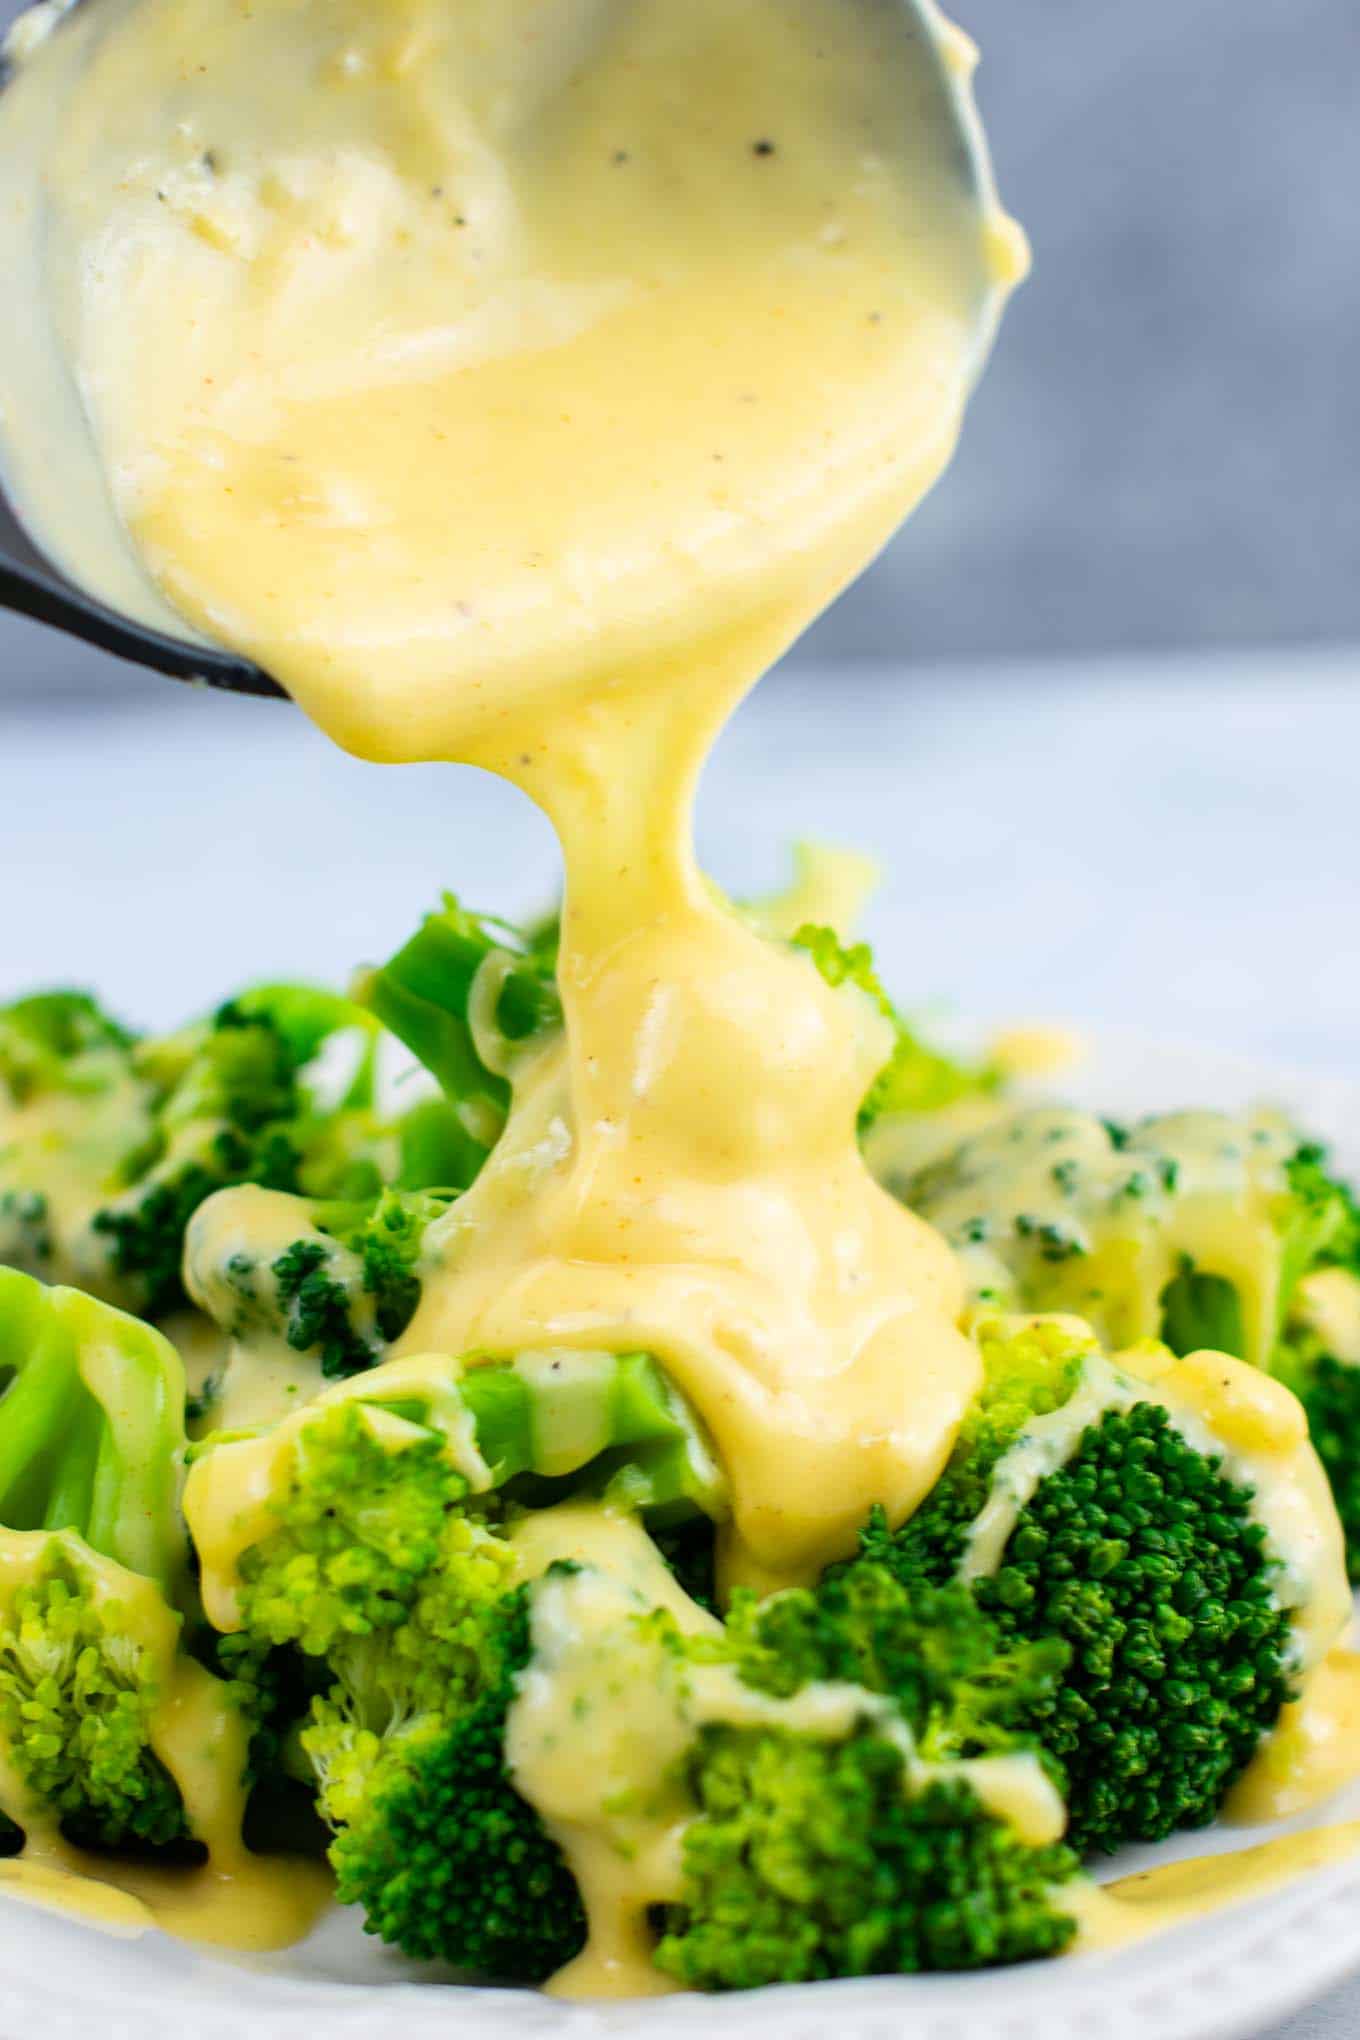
1170 848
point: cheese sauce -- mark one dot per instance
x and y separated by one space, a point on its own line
443 359
515 381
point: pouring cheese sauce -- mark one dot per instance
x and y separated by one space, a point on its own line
514 382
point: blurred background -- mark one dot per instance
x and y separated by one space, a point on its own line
1096 707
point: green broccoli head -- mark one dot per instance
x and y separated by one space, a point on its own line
379 1568
1201 1230
382 1559
811 1860
963 1687
336 1281
1115 1533
54 1042
109 1143
877 1850
79 1688
91 1455
447 1860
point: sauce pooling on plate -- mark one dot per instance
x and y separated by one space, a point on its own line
515 382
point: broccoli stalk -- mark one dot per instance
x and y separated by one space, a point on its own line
461 978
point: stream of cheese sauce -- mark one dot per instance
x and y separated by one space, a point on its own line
515 381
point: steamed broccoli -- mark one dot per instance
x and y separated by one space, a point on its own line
337 1281
385 1562
91 1451
1118 1535
1198 1229
813 1857
447 1860
109 1142
865 1843
466 994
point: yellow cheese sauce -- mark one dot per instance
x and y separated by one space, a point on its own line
1102 1226
1175 1895
515 382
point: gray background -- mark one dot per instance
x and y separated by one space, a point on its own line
1164 451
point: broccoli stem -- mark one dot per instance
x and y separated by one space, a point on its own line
423 996
33 1407
92 1428
73 1480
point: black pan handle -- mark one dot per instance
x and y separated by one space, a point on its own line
31 587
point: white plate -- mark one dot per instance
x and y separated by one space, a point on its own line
1220 1979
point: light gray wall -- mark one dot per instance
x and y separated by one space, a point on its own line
1166 448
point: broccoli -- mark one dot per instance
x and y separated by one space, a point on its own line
384 1561
394 1553
338 1281
109 1143
447 1860
823 1834
811 1857
467 994
91 1452
1079 1505
1201 1230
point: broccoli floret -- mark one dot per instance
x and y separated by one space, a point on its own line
1140 1553
447 1860
916 1078
812 1860
233 1111
816 1857
91 1452
378 1569
350 1287
963 1687
109 1142
1058 1210
383 1561
78 1691
55 1042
